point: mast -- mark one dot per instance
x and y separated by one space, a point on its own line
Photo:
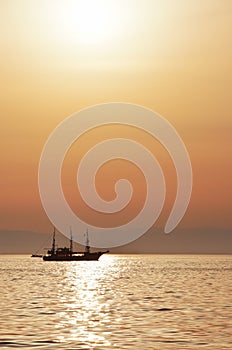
71 241
53 242
87 247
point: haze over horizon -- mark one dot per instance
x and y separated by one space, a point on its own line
173 57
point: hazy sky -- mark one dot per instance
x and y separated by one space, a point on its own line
172 56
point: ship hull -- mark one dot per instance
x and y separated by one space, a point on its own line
84 257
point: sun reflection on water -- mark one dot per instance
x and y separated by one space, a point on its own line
87 307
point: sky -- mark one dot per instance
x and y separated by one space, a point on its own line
172 56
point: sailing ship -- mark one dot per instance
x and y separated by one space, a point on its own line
67 253
36 255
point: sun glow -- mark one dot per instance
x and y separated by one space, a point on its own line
91 22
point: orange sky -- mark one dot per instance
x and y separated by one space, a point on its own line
172 56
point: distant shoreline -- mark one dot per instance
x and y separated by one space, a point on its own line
192 241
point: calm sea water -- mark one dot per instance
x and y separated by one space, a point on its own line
121 302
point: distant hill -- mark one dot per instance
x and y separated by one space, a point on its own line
188 241
182 241
27 242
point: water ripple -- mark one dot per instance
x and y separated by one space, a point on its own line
122 302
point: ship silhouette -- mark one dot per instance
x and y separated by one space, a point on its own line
67 253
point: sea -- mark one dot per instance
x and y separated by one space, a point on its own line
120 302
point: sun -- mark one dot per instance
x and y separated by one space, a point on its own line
95 22
91 22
